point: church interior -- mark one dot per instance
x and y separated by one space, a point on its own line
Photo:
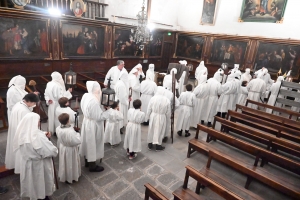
249 154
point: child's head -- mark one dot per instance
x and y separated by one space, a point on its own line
115 105
63 118
244 83
189 87
63 102
137 104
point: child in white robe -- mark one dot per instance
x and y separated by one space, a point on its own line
132 140
69 161
64 108
187 102
112 127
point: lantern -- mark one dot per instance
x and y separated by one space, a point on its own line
70 77
108 95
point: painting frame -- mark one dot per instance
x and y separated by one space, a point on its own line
206 10
158 38
231 41
265 12
21 44
190 38
93 43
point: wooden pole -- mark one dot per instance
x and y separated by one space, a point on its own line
173 105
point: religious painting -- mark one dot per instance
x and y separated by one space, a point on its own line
209 12
155 45
263 11
190 46
278 58
228 51
24 39
20 3
82 41
124 44
78 7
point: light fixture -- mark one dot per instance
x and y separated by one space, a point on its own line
54 12
108 95
70 77
142 33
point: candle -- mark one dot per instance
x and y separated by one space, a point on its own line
70 80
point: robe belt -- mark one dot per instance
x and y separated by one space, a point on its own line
134 122
254 91
158 113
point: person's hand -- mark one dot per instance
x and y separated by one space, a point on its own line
129 98
70 89
36 93
48 134
117 108
105 85
50 102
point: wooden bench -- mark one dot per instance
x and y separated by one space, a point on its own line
91 79
273 143
153 193
2 115
290 113
266 126
269 117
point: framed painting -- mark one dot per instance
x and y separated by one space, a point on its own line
190 46
155 46
278 57
209 12
82 40
24 38
263 11
124 45
228 51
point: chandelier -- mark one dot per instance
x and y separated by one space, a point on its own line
142 33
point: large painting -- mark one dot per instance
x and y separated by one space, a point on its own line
82 41
228 51
278 57
190 46
124 44
263 11
209 12
155 46
24 39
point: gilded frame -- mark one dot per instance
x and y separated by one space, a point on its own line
206 18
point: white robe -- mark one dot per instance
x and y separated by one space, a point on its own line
224 103
234 96
92 130
187 102
199 71
135 85
69 160
122 96
256 90
54 92
159 109
12 159
114 74
59 110
13 96
274 89
201 92
181 86
132 140
37 173
112 127
242 98
246 77
148 89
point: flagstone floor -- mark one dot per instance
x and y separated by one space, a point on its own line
124 179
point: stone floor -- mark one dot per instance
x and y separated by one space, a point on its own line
124 179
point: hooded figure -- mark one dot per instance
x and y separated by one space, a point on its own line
139 68
234 96
183 62
256 89
15 93
55 89
181 86
243 94
134 84
150 72
246 76
36 150
274 89
200 70
168 78
236 70
122 96
92 130
210 108
148 89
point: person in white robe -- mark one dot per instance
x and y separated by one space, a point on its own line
159 109
139 67
64 108
134 84
132 140
234 96
246 76
55 89
15 93
274 89
150 72
200 70
92 129
181 86
148 89
20 109
112 126
256 90
122 95
69 160
187 103
242 97
236 70
36 150
168 78
114 73
201 92
210 108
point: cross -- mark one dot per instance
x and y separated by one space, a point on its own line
109 80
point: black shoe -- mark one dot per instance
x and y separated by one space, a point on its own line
3 190
86 164
121 131
209 124
146 123
159 148
165 139
150 146
97 169
179 133
218 114
202 122
187 134
224 115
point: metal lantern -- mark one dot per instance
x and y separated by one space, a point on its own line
108 95
70 77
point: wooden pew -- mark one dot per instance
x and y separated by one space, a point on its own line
272 142
153 193
266 126
269 117
290 113
2 115
91 79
